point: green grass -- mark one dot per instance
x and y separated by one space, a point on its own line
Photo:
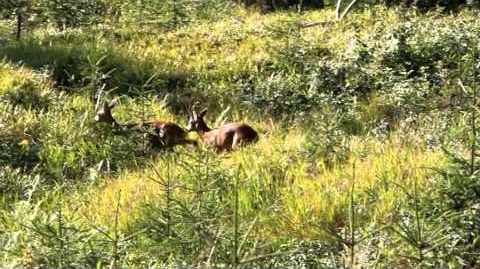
322 99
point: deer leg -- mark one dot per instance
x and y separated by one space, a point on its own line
154 141
160 142
236 141
186 141
219 150
191 142
240 141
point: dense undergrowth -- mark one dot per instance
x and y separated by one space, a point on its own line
364 159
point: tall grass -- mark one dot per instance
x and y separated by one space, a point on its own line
369 90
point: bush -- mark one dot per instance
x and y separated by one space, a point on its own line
16 186
19 141
24 89
272 5
427 4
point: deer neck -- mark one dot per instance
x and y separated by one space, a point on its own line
203 129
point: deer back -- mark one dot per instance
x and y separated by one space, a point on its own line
168 129
161 133
230 136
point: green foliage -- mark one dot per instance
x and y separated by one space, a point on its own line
269 5
456 200
429 4
57 241
29 91
17 186
379 90
327 138
195 225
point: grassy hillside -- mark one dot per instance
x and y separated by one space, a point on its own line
364 158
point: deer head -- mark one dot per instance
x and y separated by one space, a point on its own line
196 121
223 138
105 114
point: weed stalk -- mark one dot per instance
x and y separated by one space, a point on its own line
235 223
352 218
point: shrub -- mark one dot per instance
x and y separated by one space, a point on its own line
23 88
272 5
16 186
19 141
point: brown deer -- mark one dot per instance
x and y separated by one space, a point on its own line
163 135
224 138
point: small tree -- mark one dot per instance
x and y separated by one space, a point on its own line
18 10
75 13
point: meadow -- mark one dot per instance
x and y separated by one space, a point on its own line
367 156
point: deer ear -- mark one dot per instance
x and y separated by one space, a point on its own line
203 112
193 112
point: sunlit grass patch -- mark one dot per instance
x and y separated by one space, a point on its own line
127 192
379 176
20 86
